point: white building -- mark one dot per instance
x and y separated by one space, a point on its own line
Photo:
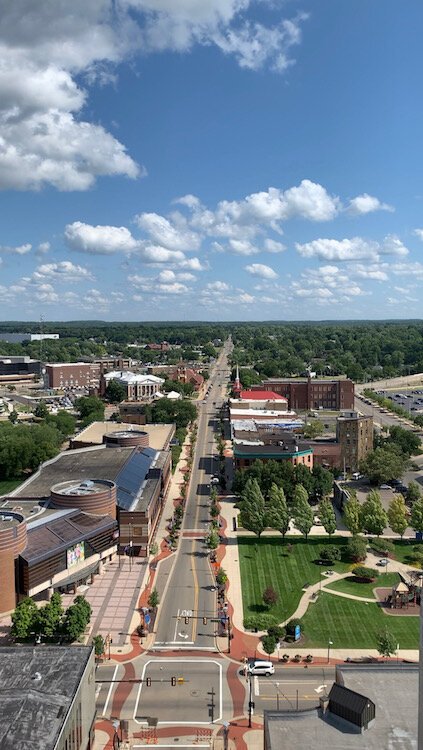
138 387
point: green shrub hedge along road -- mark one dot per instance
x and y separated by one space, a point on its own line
349 623
365 590
266 562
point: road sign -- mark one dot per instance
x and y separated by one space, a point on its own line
147 619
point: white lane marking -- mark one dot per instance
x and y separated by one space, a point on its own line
183 648
176 625
256 686
112 684
183 661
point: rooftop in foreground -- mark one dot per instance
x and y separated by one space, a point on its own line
37 687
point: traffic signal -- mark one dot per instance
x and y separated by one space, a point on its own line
173 681
204 620
186 620
148 681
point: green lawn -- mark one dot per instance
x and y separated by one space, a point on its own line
352 624
266 562
352 586
404 549
7 485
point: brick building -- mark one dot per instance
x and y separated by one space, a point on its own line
354 433
312 393
72 375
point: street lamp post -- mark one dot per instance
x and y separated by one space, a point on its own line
225 735
330 643
250 700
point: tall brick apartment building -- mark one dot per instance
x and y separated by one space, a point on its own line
72 375
311 393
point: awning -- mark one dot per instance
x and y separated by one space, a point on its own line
77 575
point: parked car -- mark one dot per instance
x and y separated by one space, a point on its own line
385 487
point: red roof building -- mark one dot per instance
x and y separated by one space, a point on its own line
261 396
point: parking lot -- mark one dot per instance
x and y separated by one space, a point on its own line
410 399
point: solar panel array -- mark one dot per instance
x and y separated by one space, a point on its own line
132 476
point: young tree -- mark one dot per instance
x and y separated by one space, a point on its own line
75 621
41 410
221 577
352 515
416 518
270 596
154 548
373 517
269 644
24 619
386 643
153 599
48 620
98 643
212 539
253 511
327 516
278 515
397 515
357 548
302 512
313 429
413 492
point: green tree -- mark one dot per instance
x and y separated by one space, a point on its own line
115 392
327 516
24 619
386 643
75 622
397 515
302 512
154 548
268 643
416 518
352 517
99 645
63 421
153 599
407 441
384 464
322 481
212 539
49 617
357 548
221 577
253 511
13 416
278 515
330 554
88 405
373 517
413 492
313 429
41 410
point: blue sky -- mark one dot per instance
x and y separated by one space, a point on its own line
211 160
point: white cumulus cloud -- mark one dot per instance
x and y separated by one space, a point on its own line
356 248
365 204
260 269
99 240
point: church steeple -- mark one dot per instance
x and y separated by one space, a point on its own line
237 387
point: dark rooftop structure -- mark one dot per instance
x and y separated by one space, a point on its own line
37 692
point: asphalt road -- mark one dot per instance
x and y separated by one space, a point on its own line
291 688
191 595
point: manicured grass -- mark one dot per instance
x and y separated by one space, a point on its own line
352 586
352 624
266 562
404 550
7 485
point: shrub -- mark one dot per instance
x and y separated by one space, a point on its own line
221 577
291 625
330 554
368 574
382 546
260 622
276 631
357 548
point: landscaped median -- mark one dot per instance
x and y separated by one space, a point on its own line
290 567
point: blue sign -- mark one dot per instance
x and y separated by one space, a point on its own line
297 633
147 619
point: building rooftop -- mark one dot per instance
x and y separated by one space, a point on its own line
261 396
49 534
37 687
128 377
159 435
392 688
101 462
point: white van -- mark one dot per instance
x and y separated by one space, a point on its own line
356 475
258 667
